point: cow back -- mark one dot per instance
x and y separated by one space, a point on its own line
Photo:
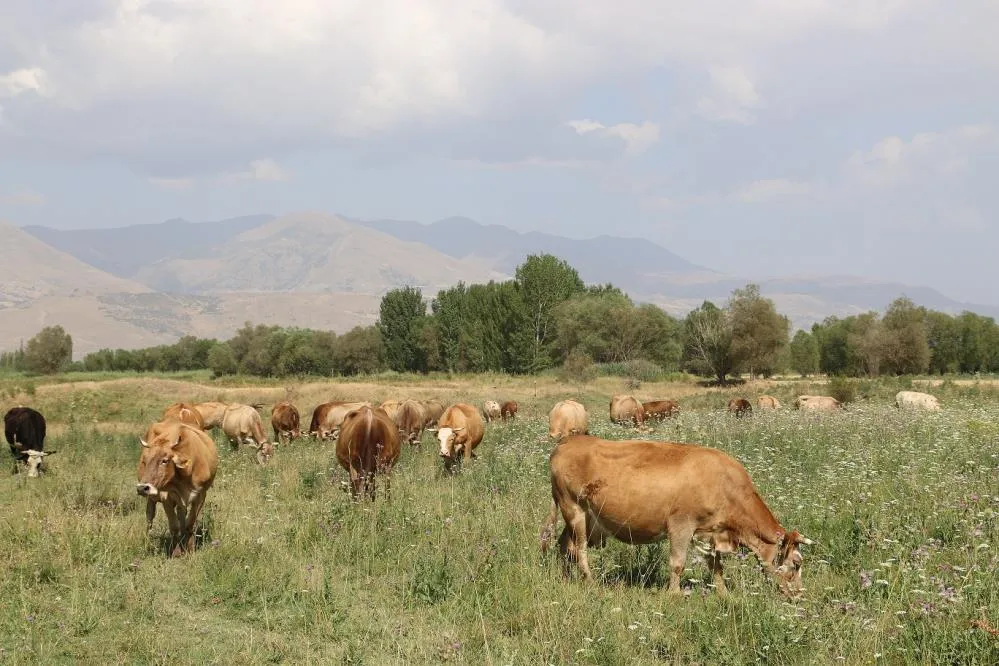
626 408
567 417
24 429
368 439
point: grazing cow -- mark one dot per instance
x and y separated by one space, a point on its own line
285 422
508 409
212 413
24 429
433 410
767 403
177 467
624 408
242 425
391 407
410 420
642 492
661 410
459 431
823 403
368 444
185 413
916 400
567 417
740 407
491 410
329 427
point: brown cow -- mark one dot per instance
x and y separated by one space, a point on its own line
642 492
185 413
817 403
567 417
491 410
212 413
660 410
508 409
459 430
434 410
410 420
391 407
177 467
327 417
624 408
740 407
368 444
242 425
285 422
767 403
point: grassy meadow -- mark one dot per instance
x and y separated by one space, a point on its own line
904 509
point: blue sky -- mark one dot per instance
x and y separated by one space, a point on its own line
757 137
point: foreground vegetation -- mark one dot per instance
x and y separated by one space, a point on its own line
903 507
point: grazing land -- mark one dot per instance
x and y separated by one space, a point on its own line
903 506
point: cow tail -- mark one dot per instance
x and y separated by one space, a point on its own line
548 527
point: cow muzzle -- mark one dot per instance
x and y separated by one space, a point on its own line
145 489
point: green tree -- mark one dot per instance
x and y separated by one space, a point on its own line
222 360
804 353
359 351
400 316
943 333
759 332
545 281
707 348
449 312
49 351
908 349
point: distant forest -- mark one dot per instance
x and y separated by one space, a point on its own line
547 318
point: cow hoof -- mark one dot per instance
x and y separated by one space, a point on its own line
177 552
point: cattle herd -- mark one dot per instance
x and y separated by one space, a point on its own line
637 491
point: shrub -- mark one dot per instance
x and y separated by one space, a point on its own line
577 367
842 389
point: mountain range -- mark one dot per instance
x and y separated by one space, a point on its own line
150 284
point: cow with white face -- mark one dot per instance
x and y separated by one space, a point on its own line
459 431
34 461
25 431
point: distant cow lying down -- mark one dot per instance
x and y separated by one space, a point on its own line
642 492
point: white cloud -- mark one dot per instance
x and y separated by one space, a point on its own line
262 169
928 155
637 138
171 183
732 97
131 78
22 198
20 81
763 191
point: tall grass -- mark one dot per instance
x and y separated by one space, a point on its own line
904 508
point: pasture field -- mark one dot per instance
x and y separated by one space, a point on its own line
904 509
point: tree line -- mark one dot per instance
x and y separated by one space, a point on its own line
546 317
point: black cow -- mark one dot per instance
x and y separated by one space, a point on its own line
25 431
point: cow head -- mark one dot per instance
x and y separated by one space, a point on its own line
450 445
34 461
161 466
787 566
265 452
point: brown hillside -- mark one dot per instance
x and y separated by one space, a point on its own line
314 252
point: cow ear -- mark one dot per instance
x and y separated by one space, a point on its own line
143 442
182 463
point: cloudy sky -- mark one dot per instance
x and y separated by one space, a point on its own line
757 137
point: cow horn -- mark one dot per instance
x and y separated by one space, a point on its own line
143 442
48 453
805 541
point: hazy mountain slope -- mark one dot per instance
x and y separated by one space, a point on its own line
630 263
125 250
31 269
313 252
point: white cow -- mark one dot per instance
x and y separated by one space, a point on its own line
916 400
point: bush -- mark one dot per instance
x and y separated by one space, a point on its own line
842 389
578 368
639 369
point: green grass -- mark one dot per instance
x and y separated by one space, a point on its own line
904 508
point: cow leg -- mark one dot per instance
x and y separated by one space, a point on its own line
715 564
234 443
679 541
356 481
180 546
192 519
575 519
171 513
150 515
